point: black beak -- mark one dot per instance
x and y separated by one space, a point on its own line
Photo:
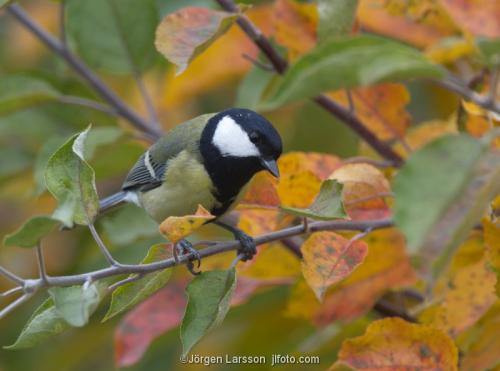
271 166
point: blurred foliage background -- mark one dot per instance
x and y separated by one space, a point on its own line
218 79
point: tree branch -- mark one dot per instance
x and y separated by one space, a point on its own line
459 87
84 71
280 65
88 103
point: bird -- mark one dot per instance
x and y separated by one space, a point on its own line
206 161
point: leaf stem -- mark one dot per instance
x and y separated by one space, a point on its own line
41 263
16 303
11 276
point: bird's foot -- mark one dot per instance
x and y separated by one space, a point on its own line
184 247
248 247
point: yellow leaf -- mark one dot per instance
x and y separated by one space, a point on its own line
365 187
301 176
175 228
481 343
411 21
465 292
328 258
492 242
393 344
449 50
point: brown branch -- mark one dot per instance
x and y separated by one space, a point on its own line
280 65
84 72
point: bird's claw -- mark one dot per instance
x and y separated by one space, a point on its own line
184 247
248 247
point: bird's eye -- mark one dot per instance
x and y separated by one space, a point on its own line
255 137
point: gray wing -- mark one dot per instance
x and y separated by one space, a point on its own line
149 171
145 175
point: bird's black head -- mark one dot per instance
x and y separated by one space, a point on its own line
236 144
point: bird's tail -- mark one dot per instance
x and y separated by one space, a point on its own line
111 201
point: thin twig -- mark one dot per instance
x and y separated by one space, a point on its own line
107 255
148 102
350 101
84 71
263 66
125 281
457 86
12 291
236 260
41 263
16 303
88 103
11 276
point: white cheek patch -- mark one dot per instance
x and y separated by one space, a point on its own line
232 140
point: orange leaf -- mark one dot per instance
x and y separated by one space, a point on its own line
393 344
477 16
175 228
382 108
206 72
375 15
261 192
296 25
364 190
382 269
329 258
184 34
301 176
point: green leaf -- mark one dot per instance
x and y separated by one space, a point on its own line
327 205
44 323
186 33
252 87
130 294
349 62
490 50
114 35
72 181
76 304
18 92
209 296
41 160
441 193
121 232
30 233
336 18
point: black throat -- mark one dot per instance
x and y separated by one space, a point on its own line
228 174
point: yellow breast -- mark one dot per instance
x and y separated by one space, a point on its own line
186 186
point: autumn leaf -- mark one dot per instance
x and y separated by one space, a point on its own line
365 190
182 35
205 73
153 317
421 28
296 25
328 258
475 16
480 343
175 228
392 343
381 107
163 311
381 270
261 192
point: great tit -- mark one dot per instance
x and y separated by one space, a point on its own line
205 161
